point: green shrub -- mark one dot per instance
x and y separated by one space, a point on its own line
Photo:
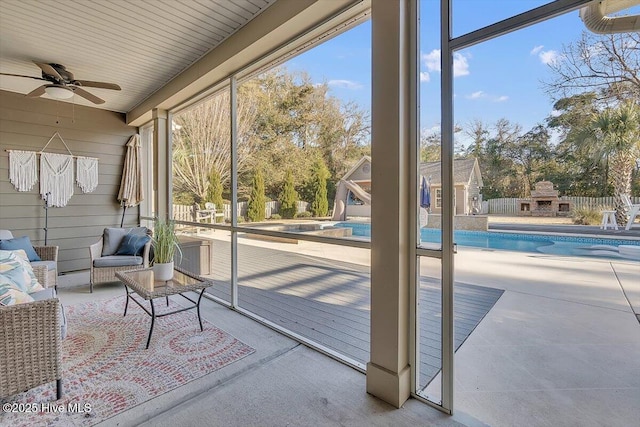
214 192
257 200
320 203
275 216
240 219
305 214
586 216
288 197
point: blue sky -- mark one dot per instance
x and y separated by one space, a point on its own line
497 79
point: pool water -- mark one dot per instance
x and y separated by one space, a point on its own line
533 243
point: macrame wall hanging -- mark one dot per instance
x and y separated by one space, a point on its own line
87 173
56 178
56 173
23 169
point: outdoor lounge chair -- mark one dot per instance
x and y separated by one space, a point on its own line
108 257
633 210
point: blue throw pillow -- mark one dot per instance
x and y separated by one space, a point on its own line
132 244
20 243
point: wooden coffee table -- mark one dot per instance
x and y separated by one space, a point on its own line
143 283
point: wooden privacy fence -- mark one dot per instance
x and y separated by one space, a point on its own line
186 212
510 205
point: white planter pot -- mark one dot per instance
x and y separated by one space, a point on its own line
163 271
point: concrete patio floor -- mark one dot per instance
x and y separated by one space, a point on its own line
561 347
282 383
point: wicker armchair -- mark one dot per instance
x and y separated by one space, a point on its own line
47 277
105 274
30 348
45 271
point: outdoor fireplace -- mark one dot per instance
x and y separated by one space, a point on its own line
543 205
544 201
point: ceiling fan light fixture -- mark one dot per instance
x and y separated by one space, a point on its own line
58 92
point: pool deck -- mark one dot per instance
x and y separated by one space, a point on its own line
587 230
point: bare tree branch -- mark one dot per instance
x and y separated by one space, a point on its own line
606 64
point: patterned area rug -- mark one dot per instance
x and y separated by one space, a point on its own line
106 368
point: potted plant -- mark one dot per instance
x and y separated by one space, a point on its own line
165 244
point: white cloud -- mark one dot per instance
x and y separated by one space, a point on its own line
483 95
424 77
345 84
549 57
460 65
428 131
536 50
432 62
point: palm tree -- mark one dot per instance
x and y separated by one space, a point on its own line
614 136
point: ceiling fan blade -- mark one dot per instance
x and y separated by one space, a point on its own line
101 85
86 95
20 75
48 69
39 91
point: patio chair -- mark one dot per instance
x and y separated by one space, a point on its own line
211 207
201 214
206 215
633 210
46 269
119 249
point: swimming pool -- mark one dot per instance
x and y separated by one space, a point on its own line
534 243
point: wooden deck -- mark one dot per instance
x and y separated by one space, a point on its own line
329 301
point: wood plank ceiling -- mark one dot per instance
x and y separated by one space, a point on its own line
137 44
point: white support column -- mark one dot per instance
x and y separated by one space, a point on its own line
233 108
161 162
388 372
448 205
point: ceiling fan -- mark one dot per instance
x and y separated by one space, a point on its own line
62 84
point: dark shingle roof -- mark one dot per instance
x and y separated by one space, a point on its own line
462 170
